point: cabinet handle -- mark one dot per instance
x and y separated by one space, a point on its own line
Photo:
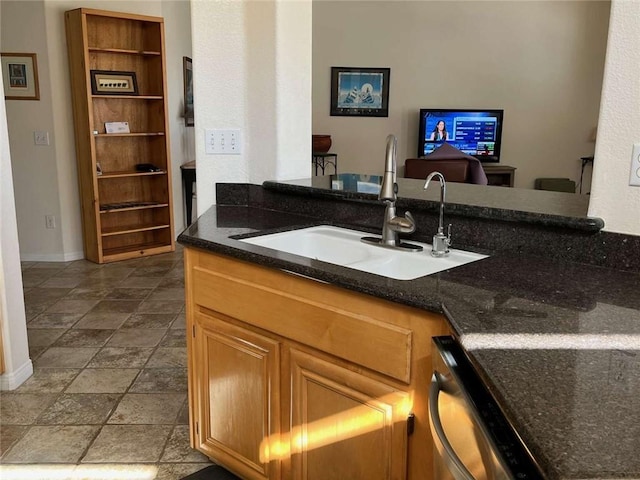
446 451
411 424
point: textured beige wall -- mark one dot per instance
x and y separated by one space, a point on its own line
542 62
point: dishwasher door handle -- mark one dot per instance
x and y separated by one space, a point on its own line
446 451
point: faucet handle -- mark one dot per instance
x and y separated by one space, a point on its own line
409 217
449 235
404 224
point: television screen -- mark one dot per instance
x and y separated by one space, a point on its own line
475 132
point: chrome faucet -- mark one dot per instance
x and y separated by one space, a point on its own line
393 224
441 242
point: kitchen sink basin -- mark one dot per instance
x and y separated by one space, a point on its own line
342 246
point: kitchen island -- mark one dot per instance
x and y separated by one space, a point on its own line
555 341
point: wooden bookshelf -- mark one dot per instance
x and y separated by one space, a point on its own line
126 213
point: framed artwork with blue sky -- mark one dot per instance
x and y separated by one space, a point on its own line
360 91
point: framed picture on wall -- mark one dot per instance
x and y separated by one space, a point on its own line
20 76
187 70
361 92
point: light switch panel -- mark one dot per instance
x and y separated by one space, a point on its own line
223 142
41 138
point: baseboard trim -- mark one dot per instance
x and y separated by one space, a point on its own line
51 257
11 381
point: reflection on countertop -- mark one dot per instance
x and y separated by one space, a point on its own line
536 202
575 408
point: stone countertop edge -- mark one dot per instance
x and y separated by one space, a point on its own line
344 277
431 292
586 224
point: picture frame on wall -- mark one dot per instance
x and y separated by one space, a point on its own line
360 91
20 76
187 67
107 82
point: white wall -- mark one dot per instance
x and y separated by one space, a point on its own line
45 178
619 127
13 323
252 71
177 20
35 168
542 62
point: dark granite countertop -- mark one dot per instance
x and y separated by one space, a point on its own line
556 342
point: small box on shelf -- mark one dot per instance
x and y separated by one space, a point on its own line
117 127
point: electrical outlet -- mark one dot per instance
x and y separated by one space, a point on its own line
50 221
634 175
41 138
223 142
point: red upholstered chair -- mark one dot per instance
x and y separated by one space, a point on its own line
454 170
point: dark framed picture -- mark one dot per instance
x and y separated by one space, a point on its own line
187 68
107 82
360 92
20 76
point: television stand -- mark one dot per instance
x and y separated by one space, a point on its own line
500 175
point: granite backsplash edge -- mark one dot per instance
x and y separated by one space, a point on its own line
557 238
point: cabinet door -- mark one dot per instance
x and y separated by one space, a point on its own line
237 394
345 425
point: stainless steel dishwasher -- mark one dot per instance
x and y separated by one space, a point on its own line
472 438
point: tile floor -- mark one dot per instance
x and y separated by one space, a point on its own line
109 389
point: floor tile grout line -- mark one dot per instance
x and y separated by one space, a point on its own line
89 445
172 278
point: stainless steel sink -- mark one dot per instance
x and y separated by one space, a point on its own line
342 246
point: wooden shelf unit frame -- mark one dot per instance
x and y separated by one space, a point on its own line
142 224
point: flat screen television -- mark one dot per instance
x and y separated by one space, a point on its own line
475 132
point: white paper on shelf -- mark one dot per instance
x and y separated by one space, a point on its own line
117 127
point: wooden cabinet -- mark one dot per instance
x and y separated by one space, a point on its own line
242 410
345 424
296 379
126 210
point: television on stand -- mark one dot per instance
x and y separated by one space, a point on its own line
475 132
